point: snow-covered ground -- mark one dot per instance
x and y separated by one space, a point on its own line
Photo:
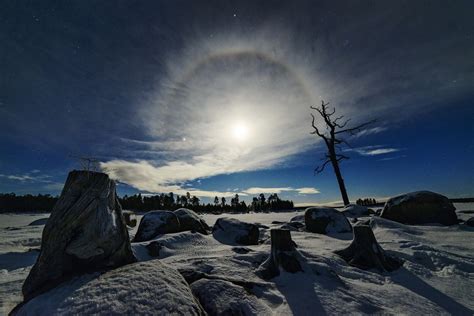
436 278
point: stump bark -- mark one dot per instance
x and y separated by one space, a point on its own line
283 254
85 232
365 252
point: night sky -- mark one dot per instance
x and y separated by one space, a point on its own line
212 97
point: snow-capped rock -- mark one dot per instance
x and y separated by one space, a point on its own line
189 220
156 223
84 232
422 207
219 297
231 230
144 288
354 210
325 220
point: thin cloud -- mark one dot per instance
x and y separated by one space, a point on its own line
258 190
374 150
308 191
371 131
392 158
27 177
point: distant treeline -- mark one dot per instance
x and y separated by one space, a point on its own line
11 202
171 201
367 202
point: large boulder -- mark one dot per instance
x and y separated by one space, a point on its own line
144 288
219 297
422 207
156 223
231 230
326 220
189 220
354 210
85 232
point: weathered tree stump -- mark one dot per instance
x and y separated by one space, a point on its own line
85 232
365 252
283 254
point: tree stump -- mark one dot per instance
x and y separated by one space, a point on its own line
283 254
85 232
365 253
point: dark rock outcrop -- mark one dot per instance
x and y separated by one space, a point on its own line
156 223
325 220
85 232
231 230
422 207
190 221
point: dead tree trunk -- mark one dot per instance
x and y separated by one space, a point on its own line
331 135
283 254
365 252
340 180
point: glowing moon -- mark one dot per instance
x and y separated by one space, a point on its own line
240 131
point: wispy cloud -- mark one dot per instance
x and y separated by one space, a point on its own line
392 158
307 191
374 150
27 177
371 131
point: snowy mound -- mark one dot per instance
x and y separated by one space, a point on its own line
435 279
219 297
156 223
145 288
325 220
354 210
189 220
231 230
422 207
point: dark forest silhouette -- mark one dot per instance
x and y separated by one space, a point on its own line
10 202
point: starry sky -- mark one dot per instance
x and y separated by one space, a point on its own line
212 97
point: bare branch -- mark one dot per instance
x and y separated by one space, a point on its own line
341 157
339 141
316 130
356 129
320 168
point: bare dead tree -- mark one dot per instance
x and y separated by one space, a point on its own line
333 138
